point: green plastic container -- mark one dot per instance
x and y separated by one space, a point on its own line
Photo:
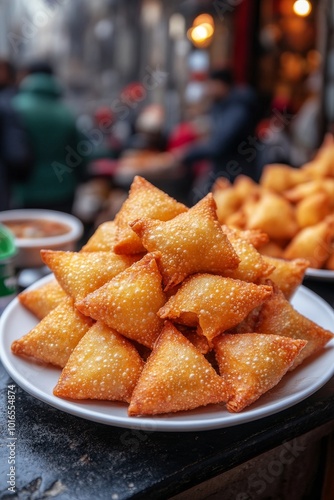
8 288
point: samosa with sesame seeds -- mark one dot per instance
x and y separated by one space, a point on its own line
176 377
278 316
252 264
213 304
40 301
251 363
53 339
103 366
80 273
129 302
287 274
144 200
103 238
190 243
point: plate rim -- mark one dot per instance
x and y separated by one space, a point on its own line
321 274
156 423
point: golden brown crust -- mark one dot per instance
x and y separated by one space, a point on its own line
104 365
103 239
287 274
250 364
252 265
53 339
176 377
80 273
42 300
190 243
129 302
279 317
144 200
312 243
213 304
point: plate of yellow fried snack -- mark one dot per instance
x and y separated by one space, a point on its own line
168 320
293 206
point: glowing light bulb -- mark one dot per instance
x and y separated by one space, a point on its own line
302 8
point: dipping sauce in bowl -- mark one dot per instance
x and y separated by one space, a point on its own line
36 228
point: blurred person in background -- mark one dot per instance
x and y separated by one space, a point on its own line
15 152
275 136
233 115
60 156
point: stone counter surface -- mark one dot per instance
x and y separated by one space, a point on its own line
61 456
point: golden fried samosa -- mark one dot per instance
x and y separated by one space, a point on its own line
279 317
129 303
312 243
42 300
104 365
176 377
287 274
252 363
190 243
103 238
53 339
144 200
213 303
80 273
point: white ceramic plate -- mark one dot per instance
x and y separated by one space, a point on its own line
319 274
39 380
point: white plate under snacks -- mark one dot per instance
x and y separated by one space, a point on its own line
39 380
319 274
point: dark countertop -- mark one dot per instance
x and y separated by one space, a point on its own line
65 457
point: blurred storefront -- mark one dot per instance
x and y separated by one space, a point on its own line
167 46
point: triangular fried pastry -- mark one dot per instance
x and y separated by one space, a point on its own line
251 363
129 302
312 243
144 200
303 191
103 239
313 209
53 339
279 177
176 377
190 243
244 186
288 274
42 300
104 365
226 198
274 215
213 303
256 237
279 317
80 273
252 265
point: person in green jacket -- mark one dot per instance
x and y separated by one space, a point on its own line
59 152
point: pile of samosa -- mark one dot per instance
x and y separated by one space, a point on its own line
167 310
